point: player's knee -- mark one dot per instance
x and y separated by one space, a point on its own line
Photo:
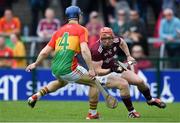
140 81
125 75
124 88
92 84
123 84
94 89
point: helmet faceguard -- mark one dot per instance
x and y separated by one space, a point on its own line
106 37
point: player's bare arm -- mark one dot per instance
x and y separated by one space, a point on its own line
124 47
99 70
42 55
87 57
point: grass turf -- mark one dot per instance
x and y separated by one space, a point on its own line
52 111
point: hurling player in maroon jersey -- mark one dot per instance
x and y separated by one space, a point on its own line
112 76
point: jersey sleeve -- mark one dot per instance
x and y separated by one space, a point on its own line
52 42
83 36
1 26
18 23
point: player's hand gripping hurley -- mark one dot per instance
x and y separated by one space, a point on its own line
125 65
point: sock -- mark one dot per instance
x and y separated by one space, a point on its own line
93 107
42 92
146 94
132 111
128 103
93 112
151 100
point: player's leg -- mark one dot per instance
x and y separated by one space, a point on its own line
134 79
80 75
123 86
93 96
51 87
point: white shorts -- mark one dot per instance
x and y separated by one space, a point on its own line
103 79
74 75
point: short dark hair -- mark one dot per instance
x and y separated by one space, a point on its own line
8 9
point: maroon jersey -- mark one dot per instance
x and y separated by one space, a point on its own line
44 25
107 55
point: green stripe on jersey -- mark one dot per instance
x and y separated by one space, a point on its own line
62 62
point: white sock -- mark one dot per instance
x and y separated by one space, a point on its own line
132 111
151 100
93 112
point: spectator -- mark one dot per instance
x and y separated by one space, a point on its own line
36 7
169 29
5 4
122 5
169 26
138 53
46 28
9 25
120 26
137 31
48 25
94 25
5 52
18 51
142 7
87 6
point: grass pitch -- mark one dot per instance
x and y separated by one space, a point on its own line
56 111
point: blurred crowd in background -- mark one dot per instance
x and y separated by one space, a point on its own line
134 20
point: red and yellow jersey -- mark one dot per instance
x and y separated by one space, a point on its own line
66 43
6 26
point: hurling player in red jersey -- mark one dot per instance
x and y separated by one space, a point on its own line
113 76
68 41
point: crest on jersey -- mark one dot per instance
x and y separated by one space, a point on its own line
100 49
114 49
